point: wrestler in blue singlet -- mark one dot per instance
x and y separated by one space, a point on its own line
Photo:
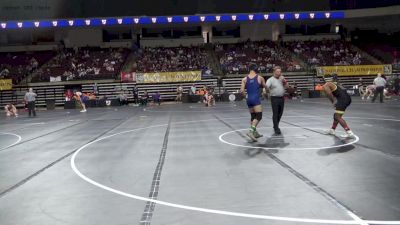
253 92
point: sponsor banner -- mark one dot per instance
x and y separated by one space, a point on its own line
168 77
5 84
55 79
128 77
355 70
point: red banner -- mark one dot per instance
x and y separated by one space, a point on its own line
128 77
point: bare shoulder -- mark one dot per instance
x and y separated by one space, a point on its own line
328 85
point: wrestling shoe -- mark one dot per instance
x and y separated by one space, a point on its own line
348 134
257 135
330 132
251 136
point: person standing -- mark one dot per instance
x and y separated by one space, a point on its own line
252 83
179 92
30 98
276 85
380 84
95 89
192 93
361 88
193 90
397 85
340 100
144 98
157 98
135 94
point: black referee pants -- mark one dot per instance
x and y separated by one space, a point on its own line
378 91
31 108
277 104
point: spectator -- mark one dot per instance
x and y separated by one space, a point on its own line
192 90
135 92
157 98
123 98
179 92
236 59
144 98
171 59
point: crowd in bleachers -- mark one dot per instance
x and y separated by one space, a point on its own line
236 58
17 66
97 63
326 53
384 52
171 59
83 64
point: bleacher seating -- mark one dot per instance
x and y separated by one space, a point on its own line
386 53
83 64
17 66
171 59
326 53
236 58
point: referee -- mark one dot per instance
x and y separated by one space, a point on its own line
30 98
380 84
276 85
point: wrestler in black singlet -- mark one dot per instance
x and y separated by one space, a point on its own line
343 99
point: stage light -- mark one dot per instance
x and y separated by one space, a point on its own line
71 22
266 16
233 17
19 24
251 16
186 19
217 18
202 18
87 22
119 21
36 24
296 16
169 19
3 25
136 20
154 20
312 15
282 16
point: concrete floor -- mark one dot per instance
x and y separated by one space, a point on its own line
187 164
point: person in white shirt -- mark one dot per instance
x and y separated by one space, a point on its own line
380 84
277 85
179 92
30 99
193 90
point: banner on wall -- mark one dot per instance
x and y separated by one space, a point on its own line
128 77
168 77
5 84
355 70
55 79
